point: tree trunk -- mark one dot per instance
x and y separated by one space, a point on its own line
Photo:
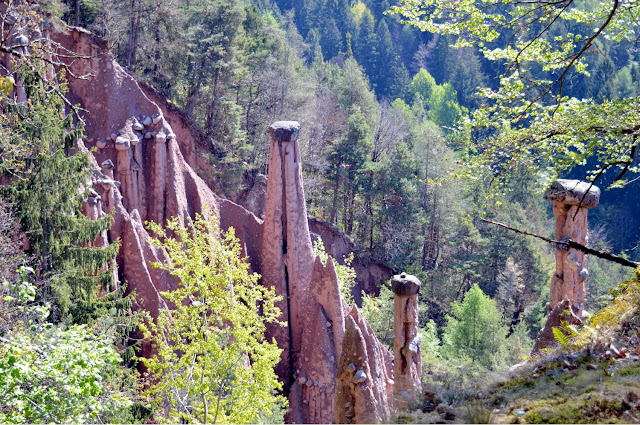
77 12
131 32
334 206
352 197
211 109
156 55
136 31
431 246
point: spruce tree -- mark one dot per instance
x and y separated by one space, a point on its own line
382 79
315 50
47 198
367 43
400 81
331 39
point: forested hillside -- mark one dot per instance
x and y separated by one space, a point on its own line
412 137
380 104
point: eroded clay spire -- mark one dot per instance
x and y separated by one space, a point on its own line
407 359
571 201
287 249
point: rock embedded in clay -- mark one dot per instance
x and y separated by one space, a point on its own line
122 144
359 377
147 121
101 144
285 131
137 126
20 40
107 165
108 184
161 137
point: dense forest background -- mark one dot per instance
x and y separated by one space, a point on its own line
379 103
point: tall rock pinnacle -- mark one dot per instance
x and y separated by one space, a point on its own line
407 369
287 251
315 341
571 201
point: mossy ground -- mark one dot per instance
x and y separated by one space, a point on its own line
546 392
606 394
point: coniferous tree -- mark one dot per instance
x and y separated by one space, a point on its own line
400 80
331 39
315 49
366 45
383 78
467 77
346 159
47 201
475 330
340 11
439 64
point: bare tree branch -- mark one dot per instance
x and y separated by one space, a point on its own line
571 244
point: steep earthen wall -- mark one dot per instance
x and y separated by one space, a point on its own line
156 182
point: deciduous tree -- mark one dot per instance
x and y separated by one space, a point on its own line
213 364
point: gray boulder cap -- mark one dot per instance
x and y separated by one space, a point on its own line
573 192
405 284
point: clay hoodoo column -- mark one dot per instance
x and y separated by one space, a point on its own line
287 262
316 340
407 359
571 200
